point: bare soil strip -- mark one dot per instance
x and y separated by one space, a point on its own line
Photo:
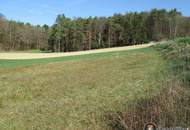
14 56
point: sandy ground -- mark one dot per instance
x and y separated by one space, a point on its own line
13 56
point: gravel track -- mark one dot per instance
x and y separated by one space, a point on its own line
18 55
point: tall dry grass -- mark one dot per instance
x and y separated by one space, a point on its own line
171 106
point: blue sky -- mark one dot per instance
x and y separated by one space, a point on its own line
45 11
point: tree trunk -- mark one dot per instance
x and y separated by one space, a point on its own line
109 38
99 38
90 40
176 28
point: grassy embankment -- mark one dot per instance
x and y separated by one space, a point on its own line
171 106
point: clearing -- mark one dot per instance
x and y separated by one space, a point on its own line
78 91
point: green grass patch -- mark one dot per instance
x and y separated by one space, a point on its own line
14 63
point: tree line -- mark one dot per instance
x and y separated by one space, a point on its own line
19 36
94 32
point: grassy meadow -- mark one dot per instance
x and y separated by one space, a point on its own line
77 92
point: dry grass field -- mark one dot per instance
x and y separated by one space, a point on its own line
76 94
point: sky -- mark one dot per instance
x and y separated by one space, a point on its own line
45 11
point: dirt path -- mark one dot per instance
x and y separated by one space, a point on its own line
12 56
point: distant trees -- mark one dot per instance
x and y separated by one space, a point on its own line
159 24
120 30
184 27
19 36
94 32
174 19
